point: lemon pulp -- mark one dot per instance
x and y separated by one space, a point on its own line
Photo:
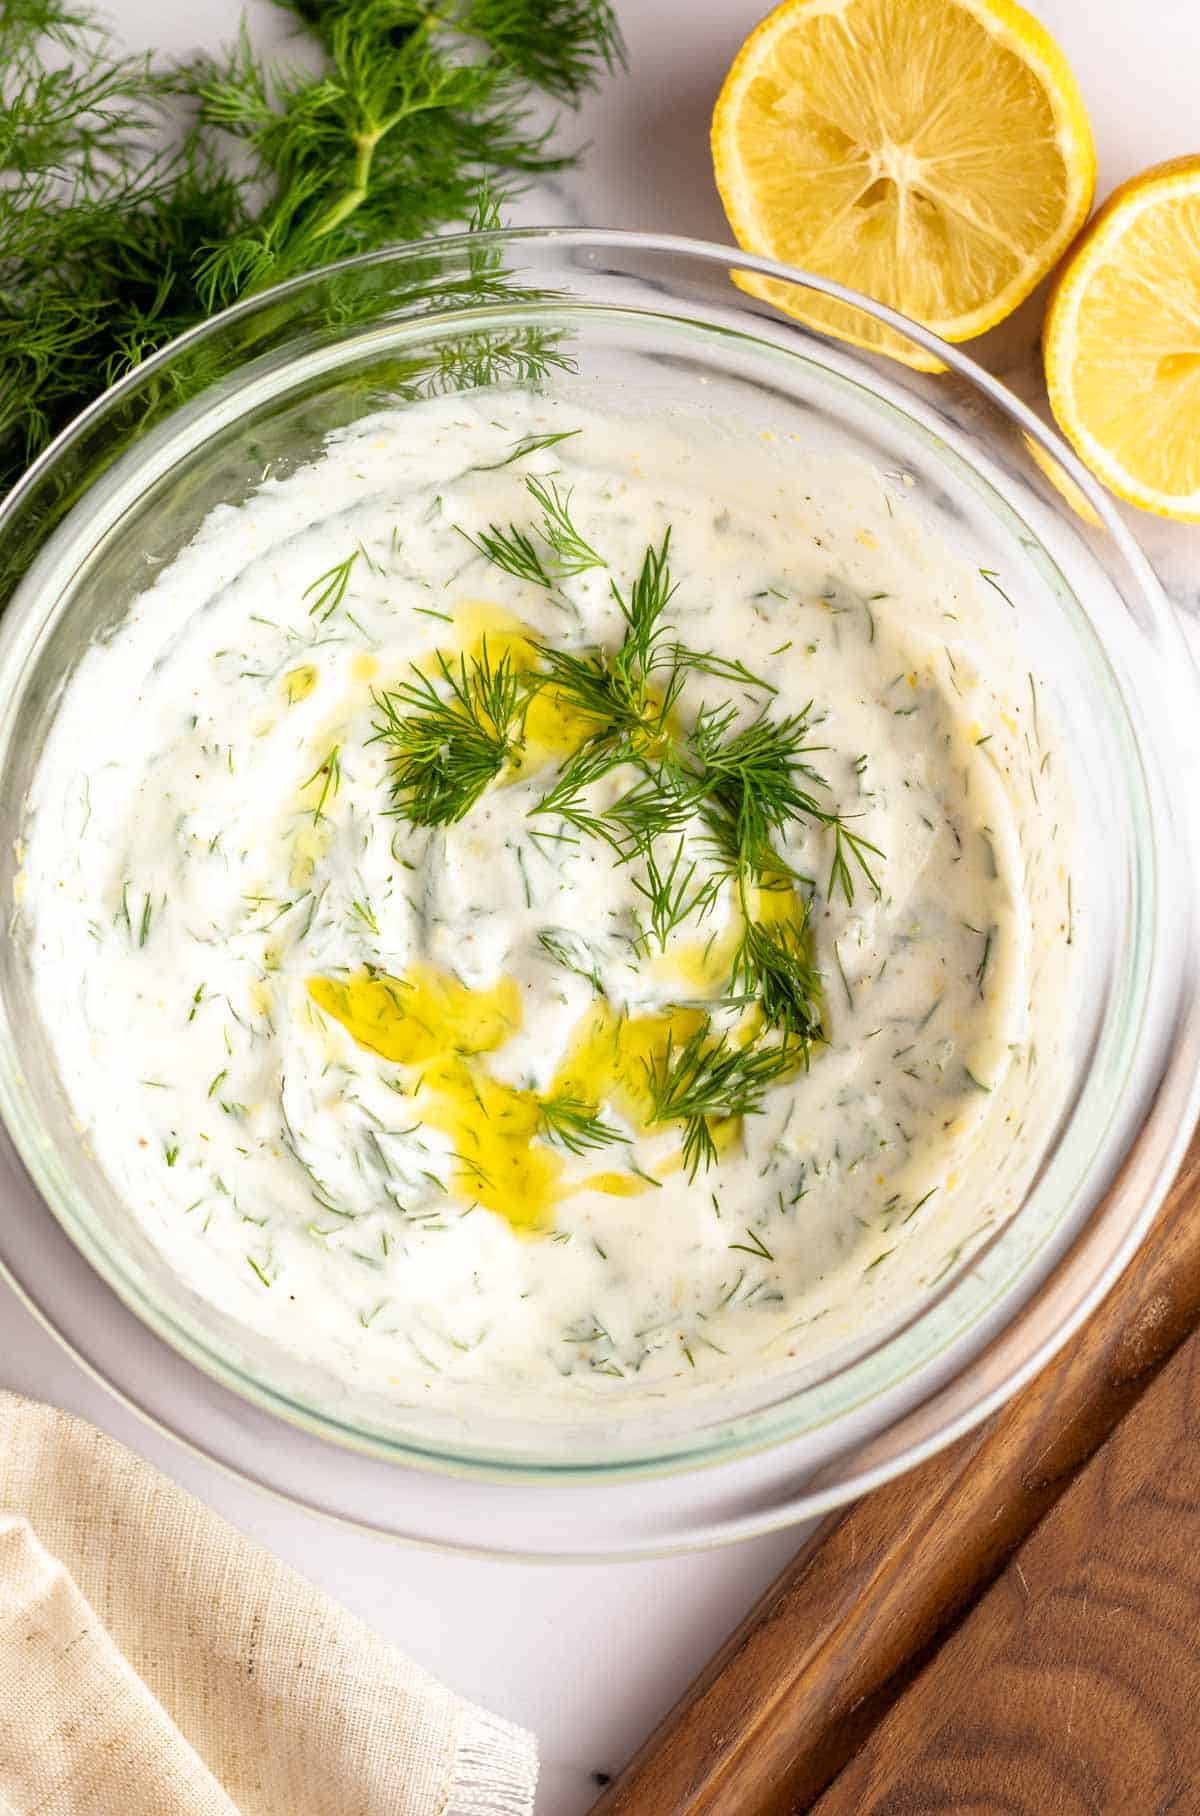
934 154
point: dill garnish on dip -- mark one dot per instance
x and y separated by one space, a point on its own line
554 906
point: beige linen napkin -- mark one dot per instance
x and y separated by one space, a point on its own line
153 1661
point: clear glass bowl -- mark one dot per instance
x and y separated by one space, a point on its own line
650 325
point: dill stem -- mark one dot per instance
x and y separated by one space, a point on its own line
365 141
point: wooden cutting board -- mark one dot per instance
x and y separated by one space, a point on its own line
1013 1626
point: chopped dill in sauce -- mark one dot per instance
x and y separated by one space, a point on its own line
613 916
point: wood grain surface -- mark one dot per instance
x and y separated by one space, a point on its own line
1073 1686
821 1669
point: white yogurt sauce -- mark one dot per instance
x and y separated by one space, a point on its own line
210 833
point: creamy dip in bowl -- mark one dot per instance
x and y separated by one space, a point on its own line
558 880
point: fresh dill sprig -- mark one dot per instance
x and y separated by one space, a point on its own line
849 845
708 1080
642 651
618 689
753 783
330 588
587 682
707 662
773 963
660 804
594 759
747 784
390 138
445 747
514 551
750 783
117 233
556 45
668 892
572 553
574 1124
529 444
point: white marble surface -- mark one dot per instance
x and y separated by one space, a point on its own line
589 1656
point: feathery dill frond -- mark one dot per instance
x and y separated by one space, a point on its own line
444 747
707 1079
117 234
574 1124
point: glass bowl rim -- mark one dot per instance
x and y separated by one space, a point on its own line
708 254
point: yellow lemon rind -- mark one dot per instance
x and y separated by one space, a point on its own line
1099 245
1017 31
